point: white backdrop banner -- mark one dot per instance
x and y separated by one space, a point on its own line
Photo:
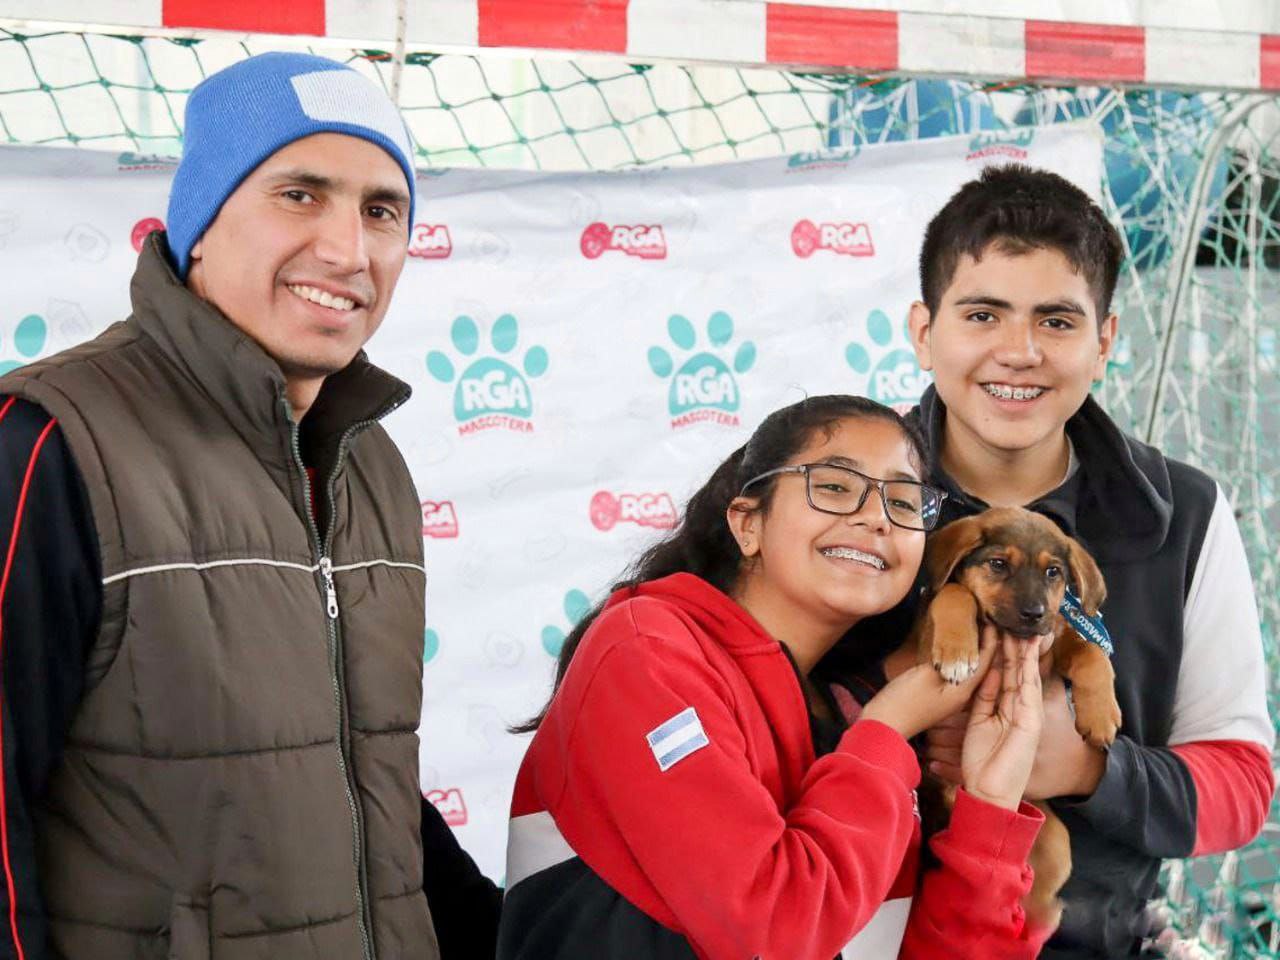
584 348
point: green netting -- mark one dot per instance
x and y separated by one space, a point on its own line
1192 178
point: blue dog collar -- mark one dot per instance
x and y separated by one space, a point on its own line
1091 628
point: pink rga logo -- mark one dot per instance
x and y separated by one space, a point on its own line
142 229
645 509
645 241
849 239
439 520
450 804
430 241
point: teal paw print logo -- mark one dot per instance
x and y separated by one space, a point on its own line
576 606
491 392
894 378
29 338
705 386
430 645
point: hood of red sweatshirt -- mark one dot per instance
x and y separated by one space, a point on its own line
715 612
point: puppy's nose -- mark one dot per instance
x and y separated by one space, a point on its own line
1032 612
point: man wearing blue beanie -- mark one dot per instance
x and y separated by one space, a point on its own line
211 613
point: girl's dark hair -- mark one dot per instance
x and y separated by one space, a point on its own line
702 543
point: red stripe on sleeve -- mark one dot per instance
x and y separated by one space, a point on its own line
1234 783
4 583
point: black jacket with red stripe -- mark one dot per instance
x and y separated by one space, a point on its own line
50 600
1190 772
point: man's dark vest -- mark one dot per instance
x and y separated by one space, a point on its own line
241 779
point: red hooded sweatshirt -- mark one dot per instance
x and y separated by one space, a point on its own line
670 805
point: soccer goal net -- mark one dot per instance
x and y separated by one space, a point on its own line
1191 178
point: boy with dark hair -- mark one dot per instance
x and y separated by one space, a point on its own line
1017 272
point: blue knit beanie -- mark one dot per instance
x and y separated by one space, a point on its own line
240 116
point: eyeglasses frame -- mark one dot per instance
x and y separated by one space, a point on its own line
876 482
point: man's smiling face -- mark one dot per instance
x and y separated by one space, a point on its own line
1014 347
304 255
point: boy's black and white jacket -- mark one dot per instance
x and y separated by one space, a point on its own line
1191 771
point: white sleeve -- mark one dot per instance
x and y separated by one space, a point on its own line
1222 691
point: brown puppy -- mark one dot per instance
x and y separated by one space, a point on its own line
1011 567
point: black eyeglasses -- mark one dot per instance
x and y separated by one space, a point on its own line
843 491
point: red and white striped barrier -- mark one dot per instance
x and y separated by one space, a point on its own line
829 35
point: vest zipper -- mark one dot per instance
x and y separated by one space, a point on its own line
334 627
330 592
324 550
325 564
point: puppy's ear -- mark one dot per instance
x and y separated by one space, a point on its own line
948 547
1086 576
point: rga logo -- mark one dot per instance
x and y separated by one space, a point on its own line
818 160
430 241
647 242
439 520
131 162
1011 144
142 229
491 392
895 378
849 239
704 387
645 509
450 804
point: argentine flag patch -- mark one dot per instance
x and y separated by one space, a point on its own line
677 738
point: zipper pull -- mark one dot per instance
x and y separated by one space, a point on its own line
330 592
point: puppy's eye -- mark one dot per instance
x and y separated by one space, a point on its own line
1052 573
998 564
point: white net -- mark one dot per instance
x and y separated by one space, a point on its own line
1191 178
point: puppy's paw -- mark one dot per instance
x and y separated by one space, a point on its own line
954 652
1097 716
957 671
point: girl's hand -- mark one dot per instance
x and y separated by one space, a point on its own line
918 698
1005 721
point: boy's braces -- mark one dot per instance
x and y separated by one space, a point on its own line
1003 391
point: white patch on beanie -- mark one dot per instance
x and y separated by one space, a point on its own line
344 96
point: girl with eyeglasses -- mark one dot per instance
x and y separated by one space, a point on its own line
691 792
